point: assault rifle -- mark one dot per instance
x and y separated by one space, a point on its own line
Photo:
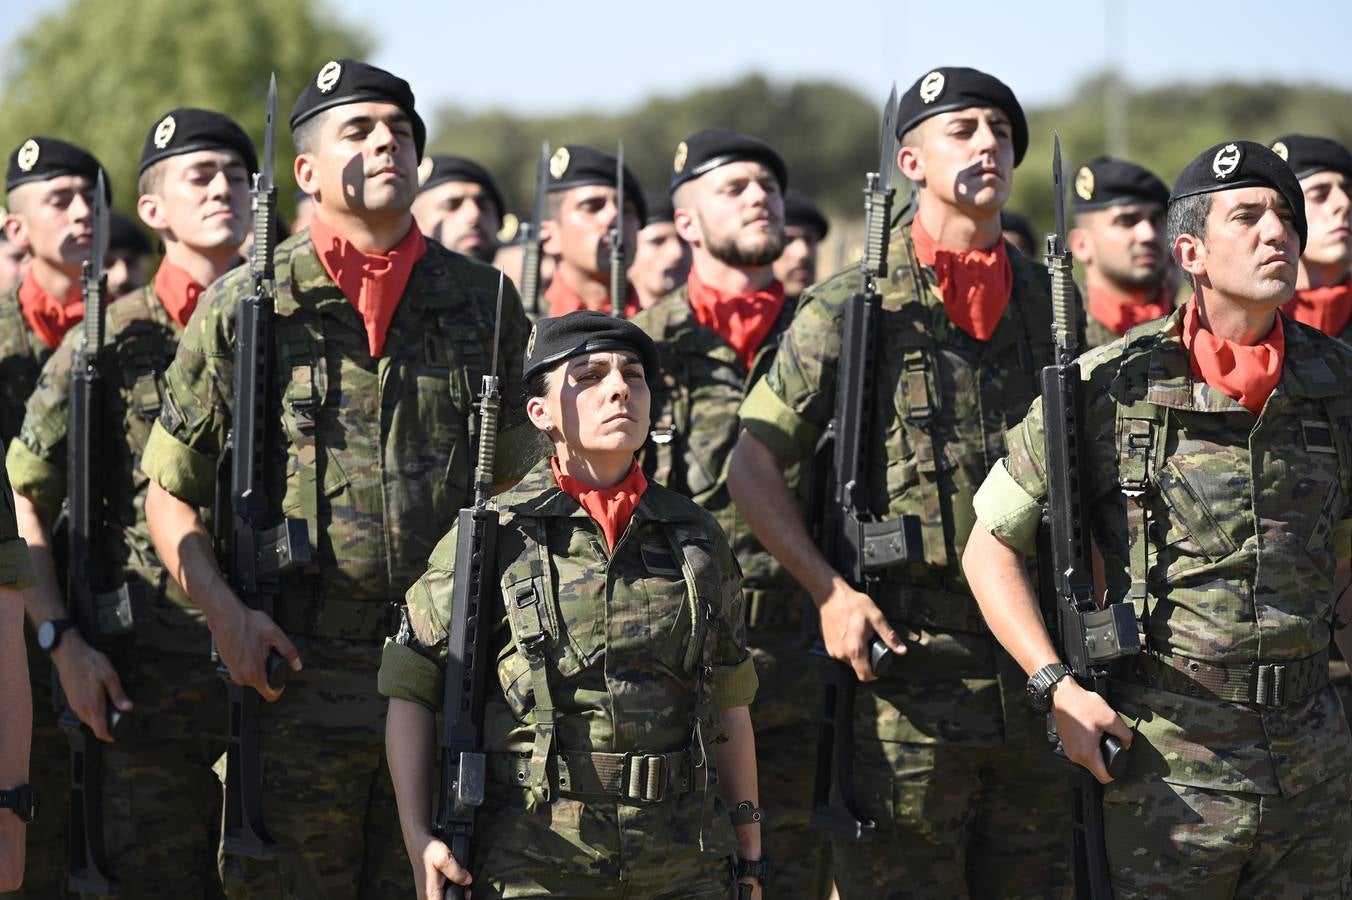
530 238
97 616
1088 636
463 770
619 286
853 537
260 548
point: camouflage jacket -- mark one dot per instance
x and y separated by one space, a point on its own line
944 401
16 569
376 455
1244 522
22 354
139 345
694 423
626 637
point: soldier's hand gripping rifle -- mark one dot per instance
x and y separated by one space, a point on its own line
463 772
619 285
530 238
853 538
1088 636
260 548
96 615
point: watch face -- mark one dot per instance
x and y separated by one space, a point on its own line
47 634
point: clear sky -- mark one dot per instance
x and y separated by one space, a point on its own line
545 55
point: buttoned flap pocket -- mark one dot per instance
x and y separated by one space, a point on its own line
715 396
304 377
514 680
1186 524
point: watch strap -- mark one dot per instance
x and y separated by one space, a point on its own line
758 869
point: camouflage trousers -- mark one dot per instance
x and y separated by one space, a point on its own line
513 875
1176 841
327 798
49 772
785 715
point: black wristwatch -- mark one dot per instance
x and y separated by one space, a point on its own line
1040 685
758 869
49 633
23 800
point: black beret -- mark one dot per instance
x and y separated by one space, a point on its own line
556 339
344 81
955 87
1106 181
123 234
1308 155
42 158
442 168
1239 164
706 150
187 130
803 213
576 165
660 207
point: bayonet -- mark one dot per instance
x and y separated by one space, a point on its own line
618 284
1065 305
879 195
530 237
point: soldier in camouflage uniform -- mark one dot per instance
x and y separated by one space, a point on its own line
804 229
661 257
717 335
16 572
50 184
1119 239
459 206
580 210
1218 469
378 340
948 760
161 801
630 652
1323 297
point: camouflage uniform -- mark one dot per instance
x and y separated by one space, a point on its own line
626 638
376 458
949 759
16 569
1229 558
22 354
161 802
702 384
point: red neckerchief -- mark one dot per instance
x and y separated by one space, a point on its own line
178 291
372 282
1246 373
975 284
49 318
743 320
611 508
1120 312
1325 308
563 299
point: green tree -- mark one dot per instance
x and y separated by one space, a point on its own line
99 73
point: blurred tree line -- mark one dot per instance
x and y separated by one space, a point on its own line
100 73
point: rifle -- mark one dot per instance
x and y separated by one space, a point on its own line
96 615
854 539
618 285
463 772
260 550
530 238
1088 637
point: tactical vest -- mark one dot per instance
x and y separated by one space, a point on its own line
540 657
931 450
1165 510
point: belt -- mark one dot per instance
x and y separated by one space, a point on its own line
312 614
1269 684
635 777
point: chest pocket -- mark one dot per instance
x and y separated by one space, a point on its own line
302 373
916 453
449 379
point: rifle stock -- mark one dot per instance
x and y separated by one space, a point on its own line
463 763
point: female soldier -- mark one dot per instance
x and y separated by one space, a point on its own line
622 673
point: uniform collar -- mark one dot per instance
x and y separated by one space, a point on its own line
538 495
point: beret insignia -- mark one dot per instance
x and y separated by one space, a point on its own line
1084 183
28 155
164 132
558 164
678 161
510 226
932 87
425 170
1281 150
328 76
530 343
1226 161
